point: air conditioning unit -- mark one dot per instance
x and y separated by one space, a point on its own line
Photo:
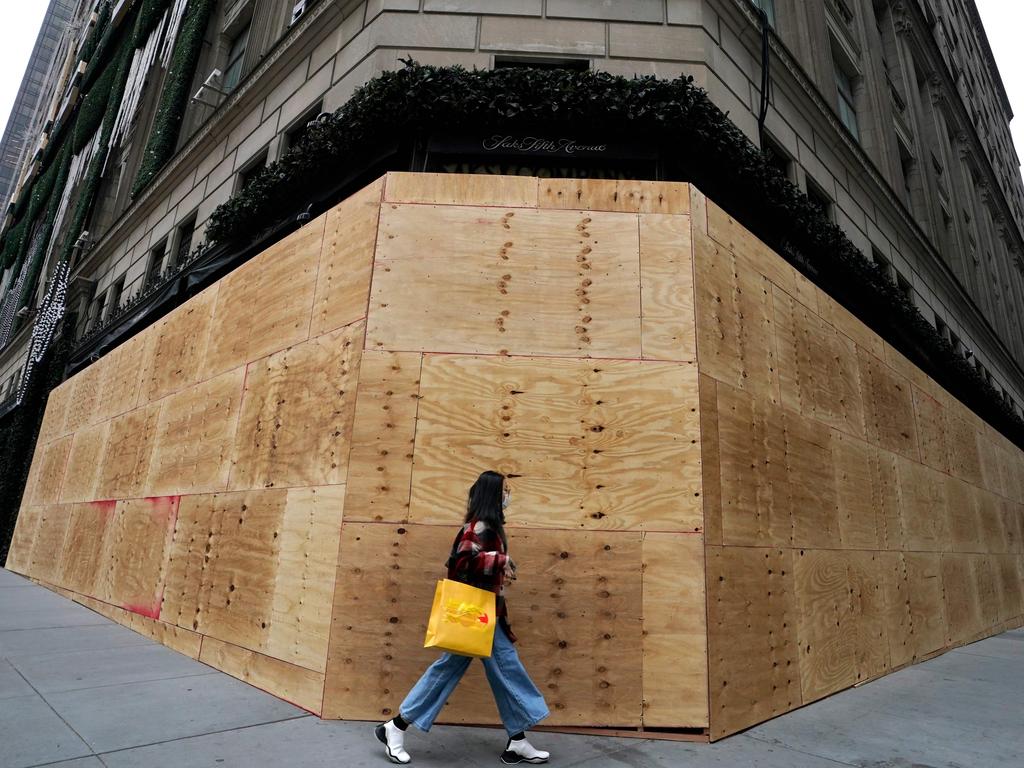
298 9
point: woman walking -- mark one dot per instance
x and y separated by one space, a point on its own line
479 558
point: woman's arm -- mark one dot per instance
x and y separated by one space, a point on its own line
477 554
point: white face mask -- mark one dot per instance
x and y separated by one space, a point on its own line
504 501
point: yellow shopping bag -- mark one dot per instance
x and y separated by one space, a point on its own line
461 620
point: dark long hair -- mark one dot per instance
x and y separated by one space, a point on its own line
484 502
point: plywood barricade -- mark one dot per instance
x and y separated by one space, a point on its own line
730 497
858 518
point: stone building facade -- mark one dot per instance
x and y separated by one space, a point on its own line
891 114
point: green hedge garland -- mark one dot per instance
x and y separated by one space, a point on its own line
712 153
174 97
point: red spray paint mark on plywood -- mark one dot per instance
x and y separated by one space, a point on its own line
164 509
105 507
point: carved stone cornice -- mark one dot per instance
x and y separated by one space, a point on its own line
901 19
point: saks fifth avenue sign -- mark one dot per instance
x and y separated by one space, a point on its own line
540 145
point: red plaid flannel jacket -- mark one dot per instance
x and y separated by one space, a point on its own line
478 559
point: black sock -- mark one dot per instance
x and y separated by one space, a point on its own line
400 724
518 737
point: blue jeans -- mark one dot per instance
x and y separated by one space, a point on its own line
519 702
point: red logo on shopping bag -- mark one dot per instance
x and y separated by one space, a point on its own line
483 619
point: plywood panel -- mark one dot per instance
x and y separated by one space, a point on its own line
836 315
383 432
295 426
281 282
964 460
124 465
927 609
50 475
1013 525
19 555
811 482
490 280
887 500
962 610
990 521
888 407
753 255
139 536
675 653
610 444
735 327
824 623
174 359
343 279
85 554
83 468
923 506
752 638
298 685
857 493
756 504
931 429
124 368
257 569
895 584
86 394
818 372
381 602
989 455
868 620
575 609
666 282
195 434
462 189
962 504
615 195
983 568
52 425
49 540
710 459
1011 591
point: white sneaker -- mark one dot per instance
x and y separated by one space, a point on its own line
393 739
522 751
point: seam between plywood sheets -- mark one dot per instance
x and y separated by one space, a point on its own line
337 555
527 356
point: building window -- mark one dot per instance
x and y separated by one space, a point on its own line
300 127
541 62
95 310
883 264
958 346
777 157
251 170
907 166
847 103
768 6
905 287
113 298
155 267
233 67
819 199
183 241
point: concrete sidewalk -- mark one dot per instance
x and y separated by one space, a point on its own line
78 690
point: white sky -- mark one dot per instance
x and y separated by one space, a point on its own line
1003 19
20 25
